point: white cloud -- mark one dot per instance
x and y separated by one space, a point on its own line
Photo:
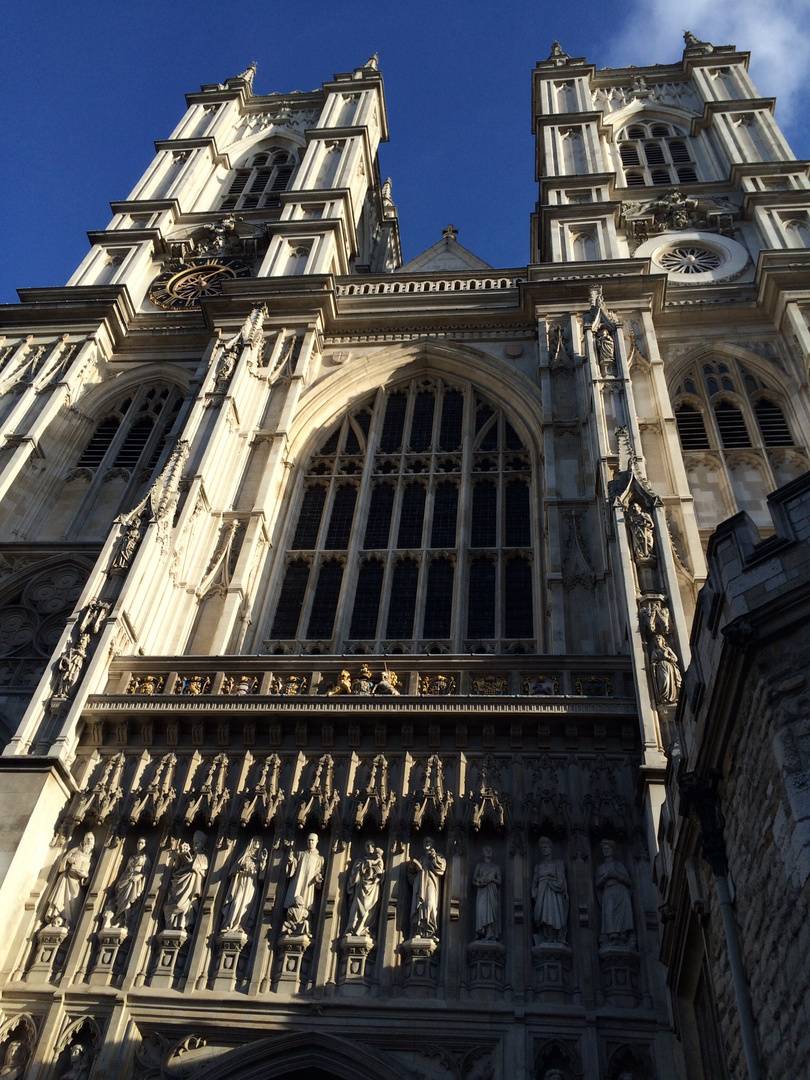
776 32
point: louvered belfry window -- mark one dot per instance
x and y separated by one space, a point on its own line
257 185
412 529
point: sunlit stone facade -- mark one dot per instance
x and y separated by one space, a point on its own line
345 604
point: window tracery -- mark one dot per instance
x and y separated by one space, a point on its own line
413 529
656 154
258 184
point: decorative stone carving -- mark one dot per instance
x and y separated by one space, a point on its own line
487 881
186 885
613 886
545 805
362 683
487 801
69 667
605 350
213 795
489 685
98 803
266 796
154 803
540 685
666 674
605 808
550 896
79 1064
243 883
15 1060
425 877
193 684
240 685
74 871
432 799
127 545
365 879
387 683
321 798
375 799
129 887
558 355
305 871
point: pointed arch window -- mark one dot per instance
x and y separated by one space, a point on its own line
434 529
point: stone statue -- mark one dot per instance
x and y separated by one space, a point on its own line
15 1061
305 871
605 348
487 881
642 530
387 684
70 666
129 887
613 885
424 877
65 902
127 544
79 1063
363 887
666 674
185 888
342 686
550 895
244 877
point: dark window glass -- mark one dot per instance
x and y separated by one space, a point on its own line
678 151
452 415
93 453
340 523
511 437
367 600
403 599
482 414
136 439
659 130
484 514
518 529
636 133
445 509
422 423
687 175
691 429
518 620
772 424
281 179
331 444
379 517
394 423
489 440
733 431
660 176
629 154
634 180
352 442
481 603
324 604
439 599
309 519
260 180
654 153
411 516
290 600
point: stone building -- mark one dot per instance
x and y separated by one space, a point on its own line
344 603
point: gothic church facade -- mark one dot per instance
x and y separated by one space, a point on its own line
345 604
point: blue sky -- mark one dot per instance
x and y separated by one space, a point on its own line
88 86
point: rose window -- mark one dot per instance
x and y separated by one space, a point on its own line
689 259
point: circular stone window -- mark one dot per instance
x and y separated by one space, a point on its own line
695 258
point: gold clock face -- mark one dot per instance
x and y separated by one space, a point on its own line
184 284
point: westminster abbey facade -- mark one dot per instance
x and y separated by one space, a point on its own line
345 604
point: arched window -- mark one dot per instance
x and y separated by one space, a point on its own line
662 148
414 528
258 184
691 428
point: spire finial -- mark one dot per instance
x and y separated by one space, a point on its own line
450 232
249 72
386 190
372 62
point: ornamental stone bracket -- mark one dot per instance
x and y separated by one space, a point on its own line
355 950
619 968
552 963
420 963
170 944
50 941
486 964
289 966
230 944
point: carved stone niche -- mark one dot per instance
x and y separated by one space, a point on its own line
619 968
354 955
486 962
420 964
551 967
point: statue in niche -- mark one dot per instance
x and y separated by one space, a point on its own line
666 674
613 885
550 896
642 530
129 887
387 684
186 886
424 877
127 544
79 1064
244 878
70 666
487 881
305 871
15 1060
342 686
65 902
365 880
606 350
